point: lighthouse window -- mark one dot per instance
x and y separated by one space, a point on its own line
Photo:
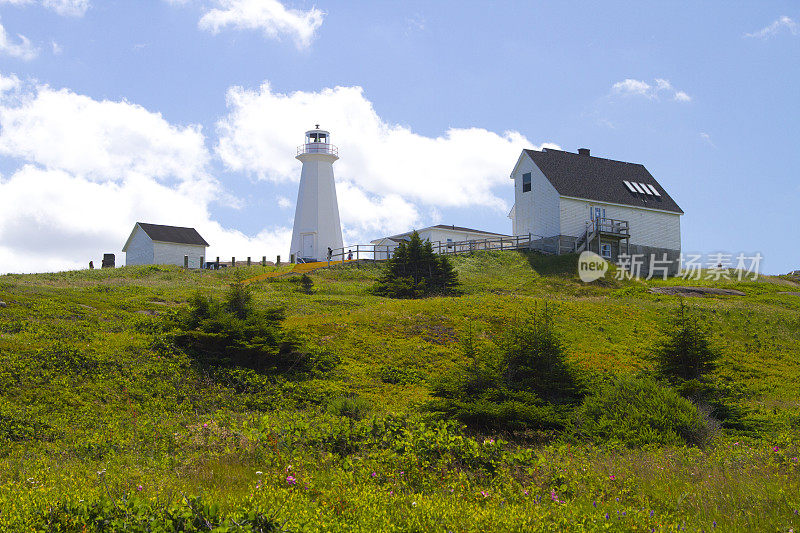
526 182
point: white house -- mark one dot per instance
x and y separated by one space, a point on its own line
440 233
154 244
570 202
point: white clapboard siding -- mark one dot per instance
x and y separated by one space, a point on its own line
658 229
536 211
167 253
140 249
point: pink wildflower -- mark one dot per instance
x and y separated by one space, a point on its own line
612 477
139 488
291 480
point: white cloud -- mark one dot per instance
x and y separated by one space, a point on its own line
660 87
271 17
57 48
633 87
101 140
90 169
22 49
387 162
73 8
778 25
284 203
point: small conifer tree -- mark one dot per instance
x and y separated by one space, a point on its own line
414 270
686 354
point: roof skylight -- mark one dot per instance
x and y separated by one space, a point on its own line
655 191
639 188
629 185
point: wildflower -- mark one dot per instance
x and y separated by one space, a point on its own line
525 492
594 504
291 480
612 477
484 494
651 514
775 448
101 472
606 516
714 524
374 474
139 488
617 499
401 472
205 425
413 504
259 472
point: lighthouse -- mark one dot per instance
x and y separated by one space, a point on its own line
316 216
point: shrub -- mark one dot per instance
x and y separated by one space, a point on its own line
236 333
306 284
396 375
352 407
522 382
414 271
636 412
137 514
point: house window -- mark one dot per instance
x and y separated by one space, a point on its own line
449 243
526 182
605 250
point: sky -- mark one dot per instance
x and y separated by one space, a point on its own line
188 113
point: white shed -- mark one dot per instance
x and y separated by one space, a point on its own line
155 244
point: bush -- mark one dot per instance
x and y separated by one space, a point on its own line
395 375
522 382
414 271
139 515
306 284
236 333
636 412
352 407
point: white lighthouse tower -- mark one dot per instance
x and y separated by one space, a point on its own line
316 216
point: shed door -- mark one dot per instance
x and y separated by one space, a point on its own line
308 245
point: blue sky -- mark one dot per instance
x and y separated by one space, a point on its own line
187 112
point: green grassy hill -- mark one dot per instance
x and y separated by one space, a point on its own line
98 408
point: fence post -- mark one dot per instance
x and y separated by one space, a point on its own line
278 262
216 267
201 262
185 261
233 262
291 258
263 260
248 261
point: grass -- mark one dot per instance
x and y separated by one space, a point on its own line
89 383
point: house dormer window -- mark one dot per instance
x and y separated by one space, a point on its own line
526 182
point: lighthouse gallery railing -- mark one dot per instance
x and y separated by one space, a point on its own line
317 148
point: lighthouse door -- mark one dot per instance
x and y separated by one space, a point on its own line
308 246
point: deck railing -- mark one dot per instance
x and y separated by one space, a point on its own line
609 225
382 252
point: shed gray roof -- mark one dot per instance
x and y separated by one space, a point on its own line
174 234
602 180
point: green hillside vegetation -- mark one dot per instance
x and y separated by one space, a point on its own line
157 399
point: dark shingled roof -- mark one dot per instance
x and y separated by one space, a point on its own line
157 232
602 180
